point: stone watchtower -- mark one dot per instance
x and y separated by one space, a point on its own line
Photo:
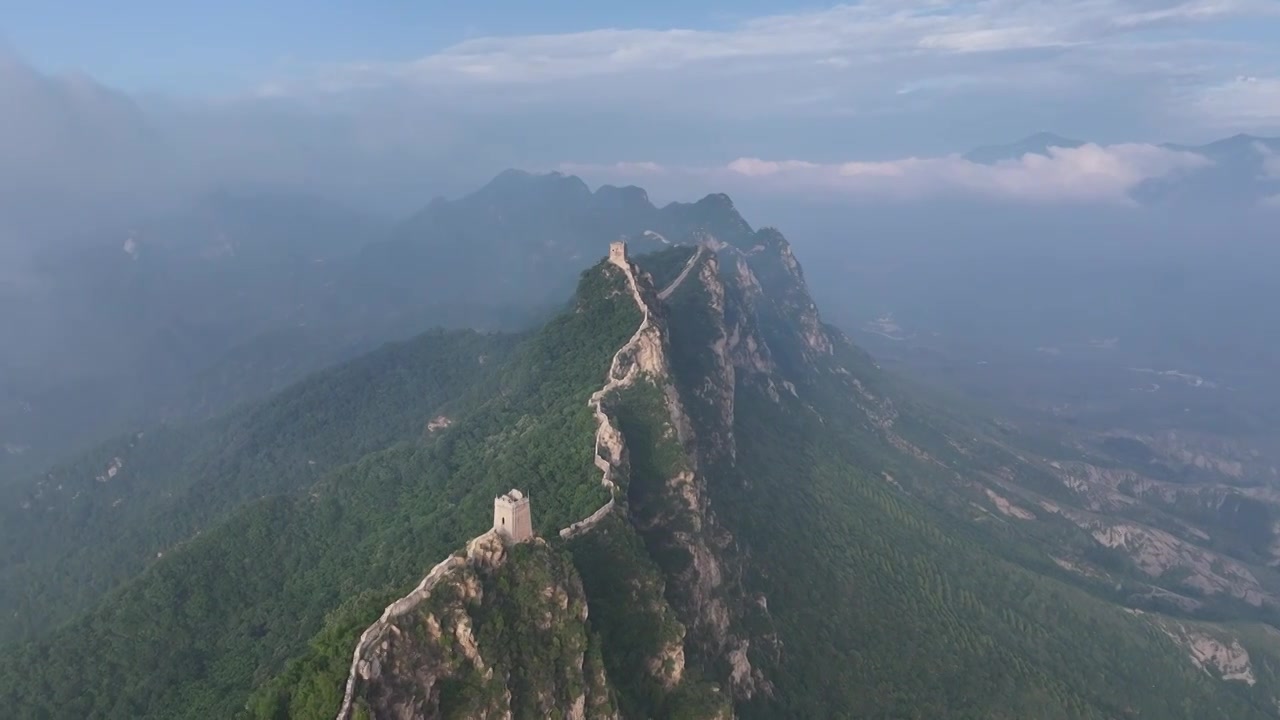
511 517
618 253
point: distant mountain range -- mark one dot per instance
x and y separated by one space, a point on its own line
1245 168
241 293
738 514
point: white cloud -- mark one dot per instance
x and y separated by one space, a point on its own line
623 169
996 69
994 39
1088 174
1194 10
754 167
876 79
856 35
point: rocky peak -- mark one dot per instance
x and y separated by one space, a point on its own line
714 216
417 659
716 202
520 188
773 286
626 199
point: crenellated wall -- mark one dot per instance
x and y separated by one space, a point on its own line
642 353
708 604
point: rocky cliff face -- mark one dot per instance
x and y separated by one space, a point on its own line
658 450
662 572
740 514
669 501
653 606
499 633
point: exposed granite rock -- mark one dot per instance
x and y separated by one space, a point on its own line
472 648
1224 657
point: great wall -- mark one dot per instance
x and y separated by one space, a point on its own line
642 353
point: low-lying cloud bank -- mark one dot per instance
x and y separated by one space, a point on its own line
1088 174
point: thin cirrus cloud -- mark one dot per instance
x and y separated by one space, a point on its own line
1087 174
1112 69
865 33
876 79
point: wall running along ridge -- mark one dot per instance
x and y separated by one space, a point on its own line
642 353
377 631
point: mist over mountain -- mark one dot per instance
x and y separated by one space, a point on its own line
1240 171
78 154
736 513
242 291
649 361
187 313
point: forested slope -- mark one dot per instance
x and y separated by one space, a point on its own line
792 536
190 635
83 527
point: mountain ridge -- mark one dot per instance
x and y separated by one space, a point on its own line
210 314
792 535
642 355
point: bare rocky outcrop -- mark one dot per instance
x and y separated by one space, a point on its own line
669 664
1180 520
1224 657
747 348
784 281
1156 552
113 468
707 591
1103 489
642 354
719 388
737 351
433 641
403 677
484 550
1159 553
1008 508
1232 460
1099 489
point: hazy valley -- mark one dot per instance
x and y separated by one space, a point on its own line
791 526
660 361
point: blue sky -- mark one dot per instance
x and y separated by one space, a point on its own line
189 47
184 46
865 95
